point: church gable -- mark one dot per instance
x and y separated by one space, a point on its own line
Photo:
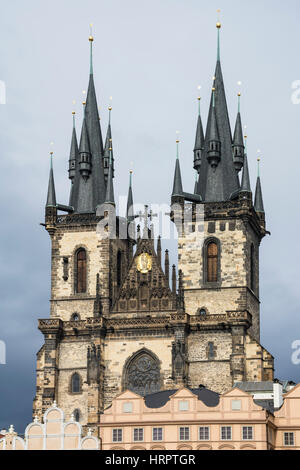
146 287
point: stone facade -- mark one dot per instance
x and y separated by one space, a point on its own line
193 333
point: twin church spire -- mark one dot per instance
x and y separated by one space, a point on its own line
218 156
91 165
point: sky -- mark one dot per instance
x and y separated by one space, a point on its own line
150 57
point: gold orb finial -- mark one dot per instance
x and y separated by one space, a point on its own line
218 22
131 171
109 108
239 93
91 37
73 112
213 89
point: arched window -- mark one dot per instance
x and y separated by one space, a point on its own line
252 268
212 262
80 283
75 383
119 268
142 374
76 414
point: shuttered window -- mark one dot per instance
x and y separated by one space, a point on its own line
81 271
212 262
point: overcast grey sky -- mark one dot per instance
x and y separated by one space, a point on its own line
150 56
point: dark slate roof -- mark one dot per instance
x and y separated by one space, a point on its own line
110 197
130 208
51 197
159 399
177 185
74 155
266 404
88 193
238 131
246 185
199 141
220 183
255 386
258 202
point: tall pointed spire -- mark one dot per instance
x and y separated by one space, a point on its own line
245 184
51 196
95 139
73 151
199 141
110 196
258 201
130 210
214 144
73 165
85 166
238 143
158 250
217 183
108 145
177 185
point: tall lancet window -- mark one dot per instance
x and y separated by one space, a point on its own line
81 271
212 262
75 383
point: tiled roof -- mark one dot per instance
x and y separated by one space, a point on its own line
159 399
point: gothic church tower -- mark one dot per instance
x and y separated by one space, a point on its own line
118 320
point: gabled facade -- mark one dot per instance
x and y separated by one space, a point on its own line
118 319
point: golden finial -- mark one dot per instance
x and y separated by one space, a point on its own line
73 102
218 22
239 93
258 155
84 101
91 38
109 108
131 171
177 140
213 89
199 88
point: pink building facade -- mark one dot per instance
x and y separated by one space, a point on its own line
187 420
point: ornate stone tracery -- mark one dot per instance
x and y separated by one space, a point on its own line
142 374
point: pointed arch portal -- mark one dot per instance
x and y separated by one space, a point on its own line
142 373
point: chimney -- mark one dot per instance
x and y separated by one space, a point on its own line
277 392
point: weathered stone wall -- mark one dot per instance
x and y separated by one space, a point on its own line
232 291
213 373
118 351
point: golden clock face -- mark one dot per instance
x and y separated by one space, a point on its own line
144 263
